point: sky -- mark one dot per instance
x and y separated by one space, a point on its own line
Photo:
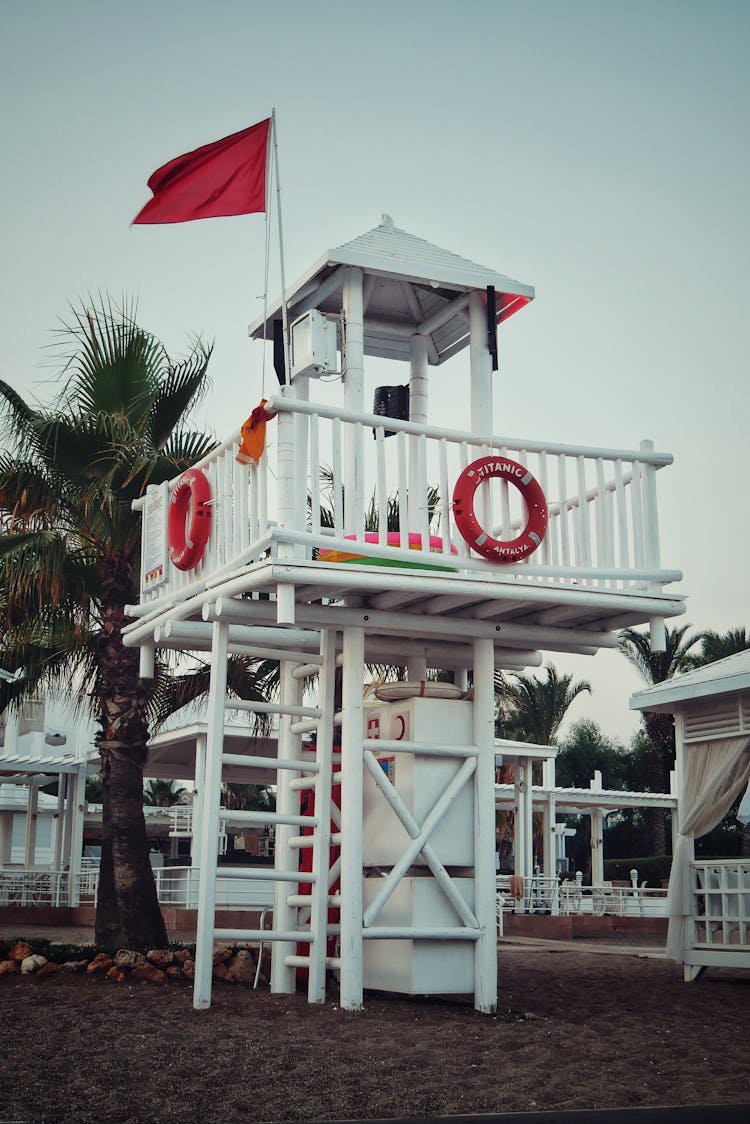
595 149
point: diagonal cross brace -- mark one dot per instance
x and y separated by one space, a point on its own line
419 844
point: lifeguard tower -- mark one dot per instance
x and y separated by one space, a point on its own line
405 556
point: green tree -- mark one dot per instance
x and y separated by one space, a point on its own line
586 749
656 667
162 794
69 557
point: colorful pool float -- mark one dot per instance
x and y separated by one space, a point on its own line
393 538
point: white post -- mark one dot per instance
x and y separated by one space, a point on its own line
597 846
287 803
11 733
485 956
77 801
62 787
418 413
548 835
352 768
354 391
481 365
529 819
519 831
209 841
199 791
316 989
6 838
301 388
287 504
32 815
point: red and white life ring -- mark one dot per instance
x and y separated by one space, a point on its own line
189 519
536 509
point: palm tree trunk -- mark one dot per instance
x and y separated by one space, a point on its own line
127 911
660 730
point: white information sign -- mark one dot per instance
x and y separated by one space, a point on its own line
154 560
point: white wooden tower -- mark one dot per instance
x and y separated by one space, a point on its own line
400 888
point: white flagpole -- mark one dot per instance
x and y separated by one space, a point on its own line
284 319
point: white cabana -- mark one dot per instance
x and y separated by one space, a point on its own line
709 902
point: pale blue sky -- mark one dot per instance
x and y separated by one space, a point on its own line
595 149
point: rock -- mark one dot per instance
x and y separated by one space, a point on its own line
241 968
188 969
74 966
125 958
161 957
181 955
30 964
48 969
174 971
101 963
8 966
116 974
222 954
149 973
20 951
220 971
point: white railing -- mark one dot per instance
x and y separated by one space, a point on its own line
540 895
721 904
603 526
615 901
176 887
46 887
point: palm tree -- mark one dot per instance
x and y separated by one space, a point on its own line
248 797
533 709
718 645
656 667
162 794
69 548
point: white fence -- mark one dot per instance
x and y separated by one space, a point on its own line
603 526
46 887
176 887
721 904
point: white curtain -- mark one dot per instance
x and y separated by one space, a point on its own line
715 773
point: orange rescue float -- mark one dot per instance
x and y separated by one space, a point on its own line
189 519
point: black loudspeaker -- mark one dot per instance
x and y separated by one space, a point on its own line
391 402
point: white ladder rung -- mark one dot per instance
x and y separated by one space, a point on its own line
241 935
304 961
301 842
300 901
303 784
246 762
437 749
272 817
272 708
405 932
266 874
309 727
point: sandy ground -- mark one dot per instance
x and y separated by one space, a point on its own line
578 1026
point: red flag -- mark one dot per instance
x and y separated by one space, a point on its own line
227 177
